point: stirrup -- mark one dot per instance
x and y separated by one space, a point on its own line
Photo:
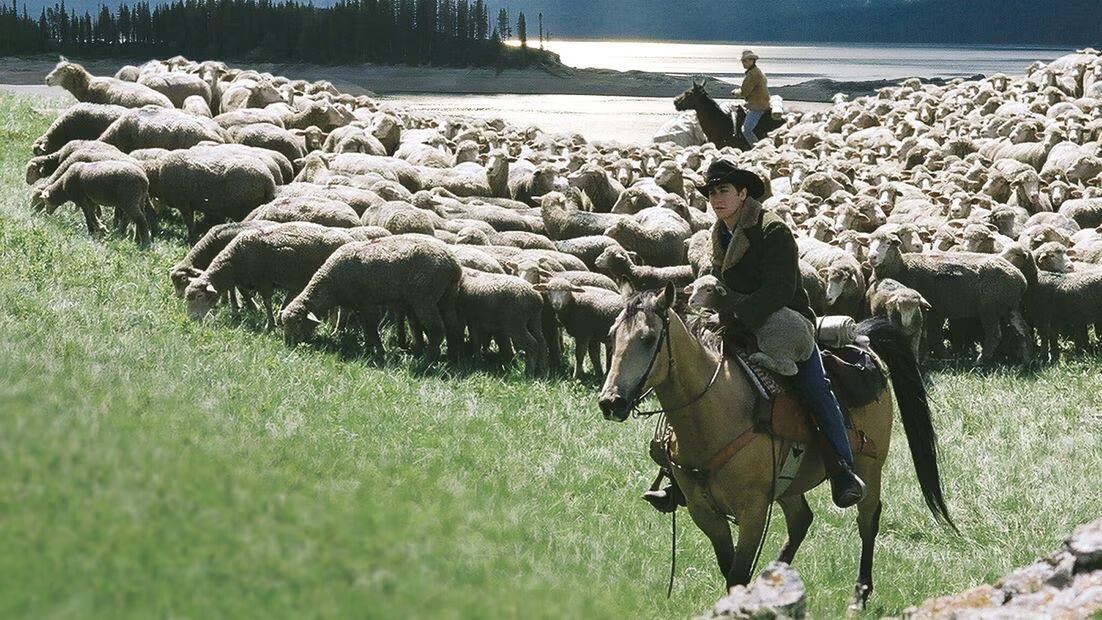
663 500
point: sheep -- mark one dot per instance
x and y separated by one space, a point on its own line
617 262
1065 301
402 270
177 86
154 127
47 166
528 182
472 257
565 222
514 238
504 306
1087 212
316 209
268 136
81 121
399 217
656 235
357 198
958 286
203 252
262 260
119 184
468 179
784 338
196 106
86 88
219 184
841 273
586 248
603 190
587 315
903 306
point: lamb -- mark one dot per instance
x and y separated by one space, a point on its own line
218 184
86 88
587 315
785 338
316 209
262 260
81 121
203 252
177 86
154 127
504 306
903 306
958 286
656 235
423 278
617 262
565 222
119 184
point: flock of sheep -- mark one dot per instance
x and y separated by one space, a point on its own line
976 206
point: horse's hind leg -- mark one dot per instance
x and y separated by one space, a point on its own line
797 519
868 524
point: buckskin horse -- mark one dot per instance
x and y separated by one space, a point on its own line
727 469
717 124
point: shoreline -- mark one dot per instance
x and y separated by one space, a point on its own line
396 80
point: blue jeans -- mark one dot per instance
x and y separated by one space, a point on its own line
814 387
749 123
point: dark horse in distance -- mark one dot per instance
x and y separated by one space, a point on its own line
717 124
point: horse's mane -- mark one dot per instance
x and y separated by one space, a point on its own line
704 327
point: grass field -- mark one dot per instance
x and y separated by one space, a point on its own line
153 467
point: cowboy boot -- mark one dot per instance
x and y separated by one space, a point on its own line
846 488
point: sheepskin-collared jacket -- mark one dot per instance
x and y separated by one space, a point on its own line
754 89
761 260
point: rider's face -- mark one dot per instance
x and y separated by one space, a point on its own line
726 200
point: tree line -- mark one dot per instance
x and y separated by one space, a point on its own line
416 32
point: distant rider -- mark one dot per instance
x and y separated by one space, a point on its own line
756 93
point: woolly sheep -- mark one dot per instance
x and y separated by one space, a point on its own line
504 306
203 252
903 306
315 209
399 217
587 315
785 338
155 127
586 248
565 222
81 121
118 184
656 235
262 260
617 262
86 88
401 270
177 86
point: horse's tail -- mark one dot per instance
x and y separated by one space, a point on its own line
889 342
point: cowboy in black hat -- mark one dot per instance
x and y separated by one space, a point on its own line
754 253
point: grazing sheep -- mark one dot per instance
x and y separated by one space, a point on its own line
617 263
268 136
587 315
262 260
958 286
357 198
316 209
119 184
203 252
784 338
54 164
218 184
177 86
86 88
656 235
504 306
154 127
903 306
82 121
422 278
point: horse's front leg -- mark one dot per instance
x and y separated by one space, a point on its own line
716 528
751 528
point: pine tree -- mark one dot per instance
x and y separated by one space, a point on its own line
522 32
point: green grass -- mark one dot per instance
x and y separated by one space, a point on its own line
153 467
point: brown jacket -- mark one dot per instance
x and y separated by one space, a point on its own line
754 89
762 262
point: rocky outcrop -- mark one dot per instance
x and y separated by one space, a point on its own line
1066 584
777 593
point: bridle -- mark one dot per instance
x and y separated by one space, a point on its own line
663 338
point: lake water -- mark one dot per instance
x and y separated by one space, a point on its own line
788 64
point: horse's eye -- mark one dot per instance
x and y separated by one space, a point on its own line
648 338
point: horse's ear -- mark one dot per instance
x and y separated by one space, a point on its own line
665 299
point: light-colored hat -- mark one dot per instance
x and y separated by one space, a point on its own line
749 55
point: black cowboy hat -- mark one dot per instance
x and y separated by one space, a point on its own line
724 170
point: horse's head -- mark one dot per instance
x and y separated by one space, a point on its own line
691 98
640 352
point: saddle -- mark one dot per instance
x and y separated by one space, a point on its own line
856 379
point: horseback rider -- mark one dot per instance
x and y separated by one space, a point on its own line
754 252
756 93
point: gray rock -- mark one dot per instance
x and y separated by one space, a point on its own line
1085 544
777 593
